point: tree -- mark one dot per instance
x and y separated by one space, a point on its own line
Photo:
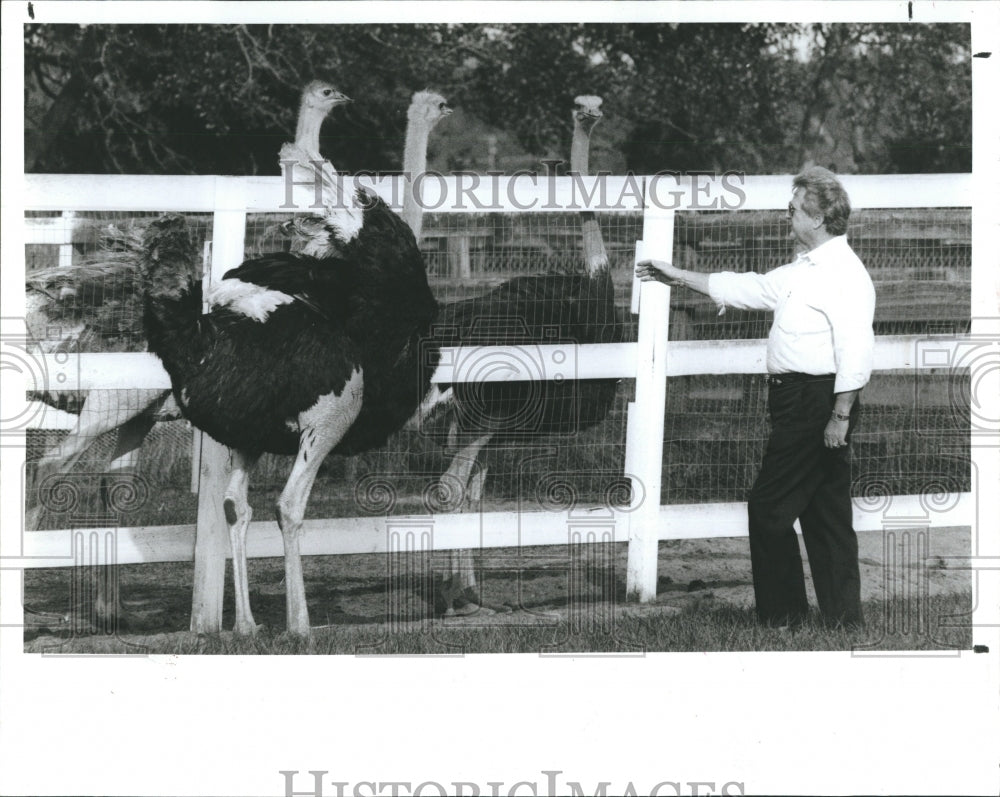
756 98
217 99
888 98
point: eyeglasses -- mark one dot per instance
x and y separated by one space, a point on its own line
791 210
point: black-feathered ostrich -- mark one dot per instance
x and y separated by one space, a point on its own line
524 311
301 353
133 413
386 398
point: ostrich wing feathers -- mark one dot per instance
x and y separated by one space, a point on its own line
257 287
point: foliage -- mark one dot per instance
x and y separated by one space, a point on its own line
758 98
909 84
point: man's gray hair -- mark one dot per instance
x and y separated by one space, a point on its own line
824 196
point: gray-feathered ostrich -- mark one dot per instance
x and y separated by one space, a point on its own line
522 311
56 292
302 354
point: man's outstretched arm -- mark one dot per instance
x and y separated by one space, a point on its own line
662 271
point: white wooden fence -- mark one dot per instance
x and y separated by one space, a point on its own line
649 361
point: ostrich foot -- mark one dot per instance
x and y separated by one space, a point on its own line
468 610
461 602
246 628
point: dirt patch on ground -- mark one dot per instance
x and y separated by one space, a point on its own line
530 585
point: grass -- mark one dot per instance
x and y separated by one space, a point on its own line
701 623
700 627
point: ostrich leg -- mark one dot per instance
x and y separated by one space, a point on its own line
124 463
133 414
103 411
458 584
322 425
238 515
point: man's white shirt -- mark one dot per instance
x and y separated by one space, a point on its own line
823 304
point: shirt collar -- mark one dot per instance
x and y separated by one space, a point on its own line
824 252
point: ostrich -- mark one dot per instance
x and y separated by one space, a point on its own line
310 234
133 413
291 372
581 306
389 403
426 110
303 353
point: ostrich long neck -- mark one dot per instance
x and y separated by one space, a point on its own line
414 163
307 130
594 253
579 152
340 221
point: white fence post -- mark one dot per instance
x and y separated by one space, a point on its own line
230 197
212 535
66 244
206 270
646 438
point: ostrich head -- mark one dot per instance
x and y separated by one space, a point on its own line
427 108
587 111
320 97
169 228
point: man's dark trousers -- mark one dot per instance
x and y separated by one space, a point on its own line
801 478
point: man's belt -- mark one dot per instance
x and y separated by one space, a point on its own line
794 376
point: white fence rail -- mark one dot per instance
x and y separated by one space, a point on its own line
487 530
230 198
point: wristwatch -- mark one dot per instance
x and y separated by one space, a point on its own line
839 417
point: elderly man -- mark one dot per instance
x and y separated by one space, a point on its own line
819 357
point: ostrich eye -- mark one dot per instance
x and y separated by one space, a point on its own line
327 92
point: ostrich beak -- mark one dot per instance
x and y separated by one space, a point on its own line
584 114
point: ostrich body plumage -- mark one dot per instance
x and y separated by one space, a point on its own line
529 311
245 382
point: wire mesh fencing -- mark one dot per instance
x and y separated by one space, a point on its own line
500 279
919 259
911 437
120 457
